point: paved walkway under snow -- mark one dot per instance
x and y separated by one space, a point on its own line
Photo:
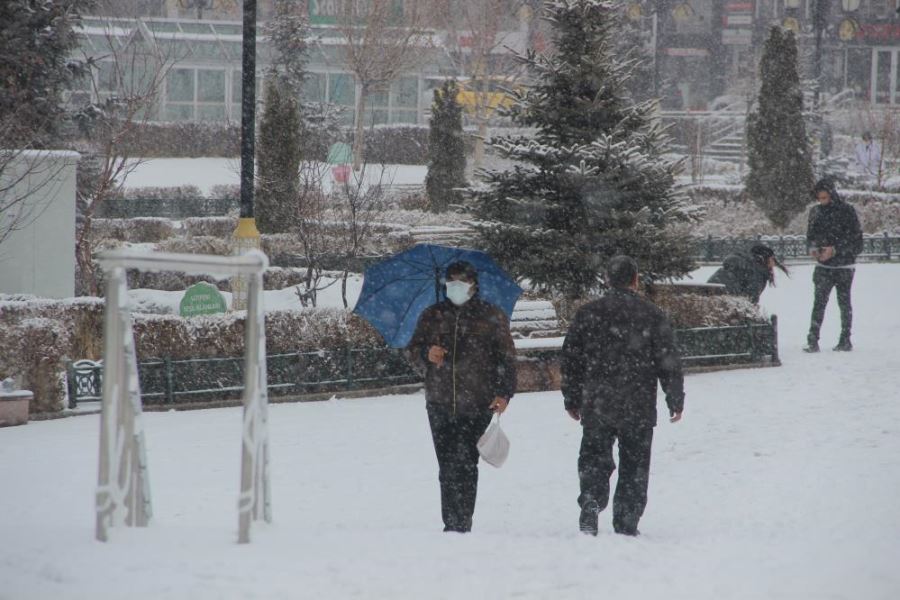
779 483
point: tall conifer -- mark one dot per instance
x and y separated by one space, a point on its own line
781 172
446 149
592 181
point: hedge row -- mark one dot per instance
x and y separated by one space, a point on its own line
384 144
38 338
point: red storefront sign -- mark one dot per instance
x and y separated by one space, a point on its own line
739 7
879 32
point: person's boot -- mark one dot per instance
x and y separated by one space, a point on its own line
812 344
843 344
588 520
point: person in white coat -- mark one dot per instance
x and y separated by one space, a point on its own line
868 156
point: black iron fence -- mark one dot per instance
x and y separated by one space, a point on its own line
173 382
876 247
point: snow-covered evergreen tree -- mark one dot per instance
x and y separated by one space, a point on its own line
781 172
278 158
36 43
591 182
446 149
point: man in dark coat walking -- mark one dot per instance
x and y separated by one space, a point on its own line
465 349
748 273
615 351
835 238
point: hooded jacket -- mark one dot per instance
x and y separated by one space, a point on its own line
615 351
835 224
480 363
742 274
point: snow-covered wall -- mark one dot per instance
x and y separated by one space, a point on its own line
38 256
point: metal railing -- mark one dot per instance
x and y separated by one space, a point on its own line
165 381
876 247
169 382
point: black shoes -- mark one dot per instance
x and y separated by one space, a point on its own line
844 345
588 520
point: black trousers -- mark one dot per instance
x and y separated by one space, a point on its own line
596 465
455 438
824 280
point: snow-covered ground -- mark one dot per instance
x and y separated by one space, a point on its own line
207 172
780 483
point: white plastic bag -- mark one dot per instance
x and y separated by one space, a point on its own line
493 445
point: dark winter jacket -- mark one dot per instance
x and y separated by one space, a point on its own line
835 224
480 363
616 349
742 274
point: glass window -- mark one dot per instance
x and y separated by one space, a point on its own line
404 116
211 112
341 89
859 70
406 92
379 99
314 88
883 77
375 117
179 112
896 77
106 76
180 85
236 87
210 85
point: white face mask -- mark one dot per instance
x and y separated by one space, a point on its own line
459 292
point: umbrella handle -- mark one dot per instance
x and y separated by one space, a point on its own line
437 284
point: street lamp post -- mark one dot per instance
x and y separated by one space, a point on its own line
246 236
820 18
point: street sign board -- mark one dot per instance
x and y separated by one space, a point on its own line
202 299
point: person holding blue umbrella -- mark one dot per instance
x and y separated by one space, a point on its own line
464 347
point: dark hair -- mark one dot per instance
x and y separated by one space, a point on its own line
621 271
461 267
826 184
867 135
763 253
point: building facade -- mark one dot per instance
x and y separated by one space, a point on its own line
202 79
703 48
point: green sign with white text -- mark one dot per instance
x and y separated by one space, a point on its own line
202 299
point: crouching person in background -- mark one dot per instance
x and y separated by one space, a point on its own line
748 273
466 351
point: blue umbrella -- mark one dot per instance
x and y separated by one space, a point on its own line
396 290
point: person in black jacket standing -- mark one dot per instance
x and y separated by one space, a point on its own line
836 239
615 351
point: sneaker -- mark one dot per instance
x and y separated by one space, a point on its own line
811 346
588 520
843 346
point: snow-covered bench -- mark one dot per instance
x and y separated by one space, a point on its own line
534 319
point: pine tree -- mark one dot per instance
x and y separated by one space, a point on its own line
592 182
781 171
278 158
285 120
446 150
36 43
